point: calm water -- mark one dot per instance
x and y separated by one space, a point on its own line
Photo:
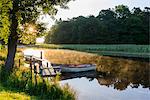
116 79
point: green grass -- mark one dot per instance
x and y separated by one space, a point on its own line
128 50
122 48
6 94
17 85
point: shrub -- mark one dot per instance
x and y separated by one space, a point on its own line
20 80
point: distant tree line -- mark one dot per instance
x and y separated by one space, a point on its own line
112 26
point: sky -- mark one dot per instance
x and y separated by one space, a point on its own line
92 7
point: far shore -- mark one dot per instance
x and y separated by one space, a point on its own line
124 51
123 54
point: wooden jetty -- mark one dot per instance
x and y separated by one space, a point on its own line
42 66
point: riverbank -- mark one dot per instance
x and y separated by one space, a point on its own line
123 50
123 54
19 85
7 94
109 69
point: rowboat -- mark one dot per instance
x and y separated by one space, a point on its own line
78 68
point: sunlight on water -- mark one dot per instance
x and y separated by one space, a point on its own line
33 52
92 90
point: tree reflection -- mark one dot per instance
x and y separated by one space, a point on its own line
117 73
124 73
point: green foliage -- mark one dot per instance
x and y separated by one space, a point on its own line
5 5
19 80
122 11
111 26
29 32
25 11
18 13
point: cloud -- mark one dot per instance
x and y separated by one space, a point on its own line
92 7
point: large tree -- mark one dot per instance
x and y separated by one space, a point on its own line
14 13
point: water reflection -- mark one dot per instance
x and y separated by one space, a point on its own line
117 73
123 73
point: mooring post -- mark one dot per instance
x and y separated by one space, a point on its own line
47 69
31 67
35 72
41 69
47 64
41 55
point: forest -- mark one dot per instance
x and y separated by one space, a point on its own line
118 25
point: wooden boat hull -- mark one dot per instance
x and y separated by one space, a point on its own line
78 69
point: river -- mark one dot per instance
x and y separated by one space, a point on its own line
115 79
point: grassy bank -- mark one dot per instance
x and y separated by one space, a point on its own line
126 50
5 91
121 48
7 94
18 84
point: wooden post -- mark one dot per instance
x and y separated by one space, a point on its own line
47 64
31 67
48 69
40 67
41 55
35 72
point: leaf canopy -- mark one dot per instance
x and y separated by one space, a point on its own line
27 11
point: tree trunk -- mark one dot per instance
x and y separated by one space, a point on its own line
13 37
12 45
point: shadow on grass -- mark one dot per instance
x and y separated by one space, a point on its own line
8 88
8 81
19 82
8 94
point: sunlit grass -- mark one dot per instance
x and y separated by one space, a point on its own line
11 96
18 85
6 94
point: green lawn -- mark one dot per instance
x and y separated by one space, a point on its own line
6 94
